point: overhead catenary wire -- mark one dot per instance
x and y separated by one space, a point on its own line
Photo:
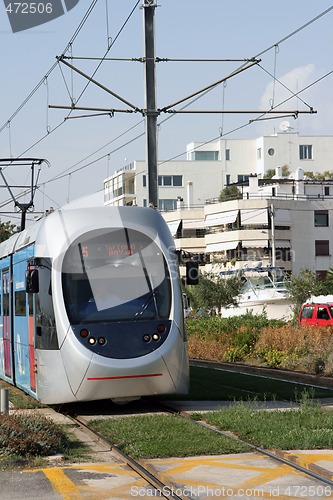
40 83
80 27
246 124
69 45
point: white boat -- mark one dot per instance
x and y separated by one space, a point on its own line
264 289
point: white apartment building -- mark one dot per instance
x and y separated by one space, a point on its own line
208 168
279 221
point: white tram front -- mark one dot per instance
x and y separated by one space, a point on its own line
92 307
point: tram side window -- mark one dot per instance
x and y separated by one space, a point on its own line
20 303
46 337
6 304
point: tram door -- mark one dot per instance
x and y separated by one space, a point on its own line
6 326
31 340
23 324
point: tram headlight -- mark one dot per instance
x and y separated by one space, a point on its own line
161 328
101 340
92 341
146 337
156 336
84 333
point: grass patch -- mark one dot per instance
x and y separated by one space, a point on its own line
19 399
214 385
161 436
307 428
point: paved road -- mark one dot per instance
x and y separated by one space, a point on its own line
238 476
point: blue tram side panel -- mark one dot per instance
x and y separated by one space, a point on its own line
23 324
17 324
6 348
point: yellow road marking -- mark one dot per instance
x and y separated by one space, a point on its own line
61 483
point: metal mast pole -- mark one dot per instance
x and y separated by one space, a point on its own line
151 113
272 214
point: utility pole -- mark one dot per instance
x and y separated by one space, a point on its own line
272 214
151 113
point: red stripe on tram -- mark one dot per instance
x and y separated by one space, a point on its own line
126 376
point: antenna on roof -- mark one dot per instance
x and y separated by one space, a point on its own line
285 126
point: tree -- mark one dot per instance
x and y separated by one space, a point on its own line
327 284
6 230
216 291
301 286
230 193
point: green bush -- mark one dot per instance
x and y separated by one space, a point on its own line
272 357
233 354
30 435
205 327
257 340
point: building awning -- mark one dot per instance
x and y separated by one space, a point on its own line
254 217
282 217
282 244
221 219
173 226
193 224
254 243
221 247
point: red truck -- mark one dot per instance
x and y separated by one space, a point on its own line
317 311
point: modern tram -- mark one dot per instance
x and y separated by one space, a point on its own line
91 307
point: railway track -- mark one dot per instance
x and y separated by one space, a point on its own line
278 455
164 485
164 488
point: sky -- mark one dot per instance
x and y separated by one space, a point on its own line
292 38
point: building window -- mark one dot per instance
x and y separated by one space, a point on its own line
144 202
205 155
177 180
144 180
227 179
170 180
305 152
326 190
242 178
227 154
259 154
321 218
271 152
167 204
322 247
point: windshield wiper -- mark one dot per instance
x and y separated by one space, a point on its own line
143 307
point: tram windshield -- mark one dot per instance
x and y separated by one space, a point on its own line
115 275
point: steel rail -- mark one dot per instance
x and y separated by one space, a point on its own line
276 455
164 490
